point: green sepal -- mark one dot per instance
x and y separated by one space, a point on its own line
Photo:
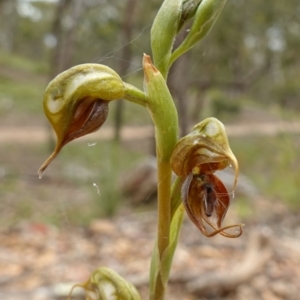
205 17
76 102
105 284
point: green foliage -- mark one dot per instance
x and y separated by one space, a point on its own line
24 99
22 83
222 106
286 94
103 163
69 195
21 63
273 165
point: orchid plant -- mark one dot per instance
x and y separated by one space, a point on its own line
76 103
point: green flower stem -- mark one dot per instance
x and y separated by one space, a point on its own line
165 119
134 95
163 230
177 213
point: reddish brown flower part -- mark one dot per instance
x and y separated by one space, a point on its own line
206 201
195 159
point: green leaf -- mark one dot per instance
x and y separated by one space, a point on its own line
154 270
168 254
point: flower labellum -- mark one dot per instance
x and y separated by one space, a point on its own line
195 158
206 201
76 102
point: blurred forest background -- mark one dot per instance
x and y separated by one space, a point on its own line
245 72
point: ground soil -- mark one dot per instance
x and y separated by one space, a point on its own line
41 262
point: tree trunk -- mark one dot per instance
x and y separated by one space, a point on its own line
69 43
10 25
126 36
65 39
57 60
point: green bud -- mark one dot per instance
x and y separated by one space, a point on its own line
76 102
163 33
189 8
205 17
105 284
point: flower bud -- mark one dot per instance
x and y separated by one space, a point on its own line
105 284
189 8
205 17
76 102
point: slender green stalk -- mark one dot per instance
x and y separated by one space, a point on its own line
176 219
135 95
165 119
164 211
164 220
